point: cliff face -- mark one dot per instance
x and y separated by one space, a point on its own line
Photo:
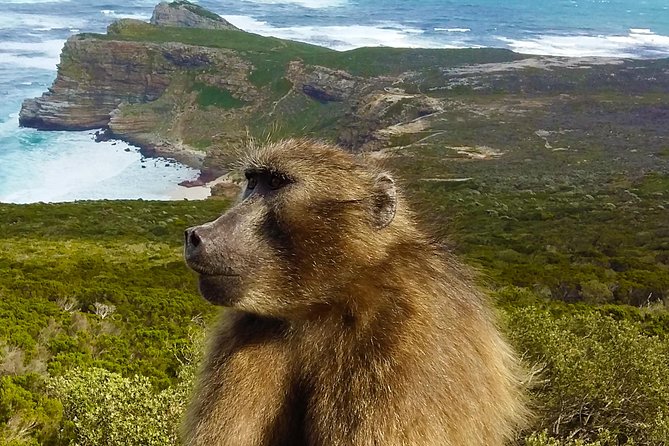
94 77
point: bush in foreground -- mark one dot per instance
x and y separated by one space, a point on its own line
602 380
107 409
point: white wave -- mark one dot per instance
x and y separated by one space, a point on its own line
41 63
342 37
43 55
18 2
74 167
453 30
111 13
638 43
39 22
9 124
313 4
50 47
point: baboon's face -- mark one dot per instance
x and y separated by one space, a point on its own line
308 216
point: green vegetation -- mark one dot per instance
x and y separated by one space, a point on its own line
91 285
567 225
218 97
271 55
602 370
105 408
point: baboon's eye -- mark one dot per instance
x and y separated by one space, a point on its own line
276 181
251 182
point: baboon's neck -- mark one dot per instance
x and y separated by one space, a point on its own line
376 305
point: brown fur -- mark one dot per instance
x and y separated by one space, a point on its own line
346 325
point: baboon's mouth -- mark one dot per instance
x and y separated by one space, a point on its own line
210 272
215 274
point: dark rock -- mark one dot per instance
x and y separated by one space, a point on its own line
94 77
205 176
192 183
185 14
184 59
319 94
101 136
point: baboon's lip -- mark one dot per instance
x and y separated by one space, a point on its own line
211 273
215 274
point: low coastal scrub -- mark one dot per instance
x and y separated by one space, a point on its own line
600 377
101 320
85 287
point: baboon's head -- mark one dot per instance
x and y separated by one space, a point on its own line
310 218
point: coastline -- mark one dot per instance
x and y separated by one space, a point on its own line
190 193
221 186
197 189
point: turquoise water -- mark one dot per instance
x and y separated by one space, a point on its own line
56 166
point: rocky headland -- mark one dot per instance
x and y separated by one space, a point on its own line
191 86
184 13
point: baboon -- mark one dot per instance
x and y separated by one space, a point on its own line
345 324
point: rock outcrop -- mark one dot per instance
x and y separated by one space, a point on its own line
185 14
324 84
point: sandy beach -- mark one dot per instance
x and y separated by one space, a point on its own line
190 193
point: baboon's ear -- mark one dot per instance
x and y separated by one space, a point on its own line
385 201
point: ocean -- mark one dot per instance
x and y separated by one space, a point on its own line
64 166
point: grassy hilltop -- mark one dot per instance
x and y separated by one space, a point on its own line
548 175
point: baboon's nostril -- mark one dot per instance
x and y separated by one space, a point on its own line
191 238
194 239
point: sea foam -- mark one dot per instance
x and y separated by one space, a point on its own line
312 4
72 166
43 55
454 30
35 22
638 43
124 15
342 37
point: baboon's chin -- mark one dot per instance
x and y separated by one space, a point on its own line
221 290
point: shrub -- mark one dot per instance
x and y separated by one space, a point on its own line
27 416
107 409
605 438
603 380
